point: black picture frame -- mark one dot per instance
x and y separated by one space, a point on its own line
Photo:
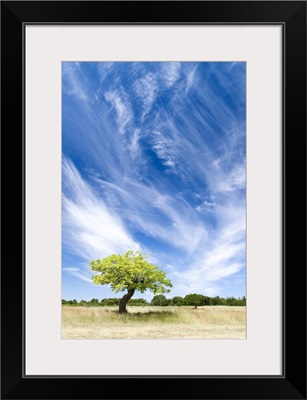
14 16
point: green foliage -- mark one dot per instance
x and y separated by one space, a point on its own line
130 271
83 303
194 300
243 301
206 301
70 302
231 301
215 301
138 302
177 301
222 301
160 300
110 302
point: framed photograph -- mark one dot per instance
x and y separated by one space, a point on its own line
154 183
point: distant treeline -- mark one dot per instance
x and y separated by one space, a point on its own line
160 300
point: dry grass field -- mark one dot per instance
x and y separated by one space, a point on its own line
217 322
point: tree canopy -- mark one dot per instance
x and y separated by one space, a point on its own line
130 271
160 300
194 299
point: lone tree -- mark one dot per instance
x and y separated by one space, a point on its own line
130 272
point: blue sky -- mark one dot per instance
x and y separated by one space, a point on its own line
154 159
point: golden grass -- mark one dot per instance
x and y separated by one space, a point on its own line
218 322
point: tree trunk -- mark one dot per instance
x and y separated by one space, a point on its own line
124 301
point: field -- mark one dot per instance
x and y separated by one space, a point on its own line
215 322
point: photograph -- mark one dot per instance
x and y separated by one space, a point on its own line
154 200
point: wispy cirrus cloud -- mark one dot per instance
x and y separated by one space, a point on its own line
89 228
76 272
225 256
134 145
146 89
120 103
157 215
164 146
104 69
73 80
170 72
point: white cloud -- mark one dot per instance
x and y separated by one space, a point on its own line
134 143
207 207
120 102
146 88
165 148
171 72
222 257
104 69
238 176
169 163
185 231
189 80
71 269
90 229
186 84
232 180
73 81
76 273
160 216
